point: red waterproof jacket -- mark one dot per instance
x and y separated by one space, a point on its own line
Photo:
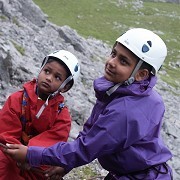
52 126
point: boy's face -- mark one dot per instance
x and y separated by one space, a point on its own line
50 78
120 64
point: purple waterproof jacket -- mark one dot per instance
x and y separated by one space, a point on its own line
123 132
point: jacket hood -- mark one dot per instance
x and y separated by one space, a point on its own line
138 88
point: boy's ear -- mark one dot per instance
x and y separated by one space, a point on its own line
142 74
66 88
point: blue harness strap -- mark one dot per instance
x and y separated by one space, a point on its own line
25 116
60 107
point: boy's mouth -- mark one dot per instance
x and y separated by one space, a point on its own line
45 84
109 72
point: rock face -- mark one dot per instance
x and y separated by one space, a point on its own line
26 37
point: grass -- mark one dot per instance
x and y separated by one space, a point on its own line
106 20
19 48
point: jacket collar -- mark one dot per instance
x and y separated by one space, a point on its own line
138 88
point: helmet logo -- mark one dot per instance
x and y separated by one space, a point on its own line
146 47
126 41
76 68
66 57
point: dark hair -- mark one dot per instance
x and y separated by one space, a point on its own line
147 66
51 59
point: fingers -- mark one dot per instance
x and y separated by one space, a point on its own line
13 146
10 148
17 152
3 145
9 151
50 173
55 177
24 166
54 173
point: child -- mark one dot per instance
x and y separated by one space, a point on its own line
123 131
36 115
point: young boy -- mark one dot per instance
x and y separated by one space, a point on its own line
36 115
123 131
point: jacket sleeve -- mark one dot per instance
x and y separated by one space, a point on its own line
10 125
58 131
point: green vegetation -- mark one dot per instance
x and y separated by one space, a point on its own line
15 21
19 48
2 17
84 171
106 20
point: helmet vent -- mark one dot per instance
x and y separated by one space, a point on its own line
150 43
145 48
76 68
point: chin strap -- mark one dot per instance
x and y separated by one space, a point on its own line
62 85
129 81
112 89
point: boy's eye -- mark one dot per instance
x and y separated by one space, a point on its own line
58 78
113 54
46 71
124 61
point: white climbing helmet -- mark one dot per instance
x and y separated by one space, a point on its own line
69 60
145 44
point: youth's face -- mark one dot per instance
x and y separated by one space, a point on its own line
50 78
120 64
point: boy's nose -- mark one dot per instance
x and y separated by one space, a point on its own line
49 78
112 61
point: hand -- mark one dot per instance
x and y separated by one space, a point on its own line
27 167
24 166
54 173
17 152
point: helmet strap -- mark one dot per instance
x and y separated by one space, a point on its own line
62 85
129 81
42 107
44 63
112 89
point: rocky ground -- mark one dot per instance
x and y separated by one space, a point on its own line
26 37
